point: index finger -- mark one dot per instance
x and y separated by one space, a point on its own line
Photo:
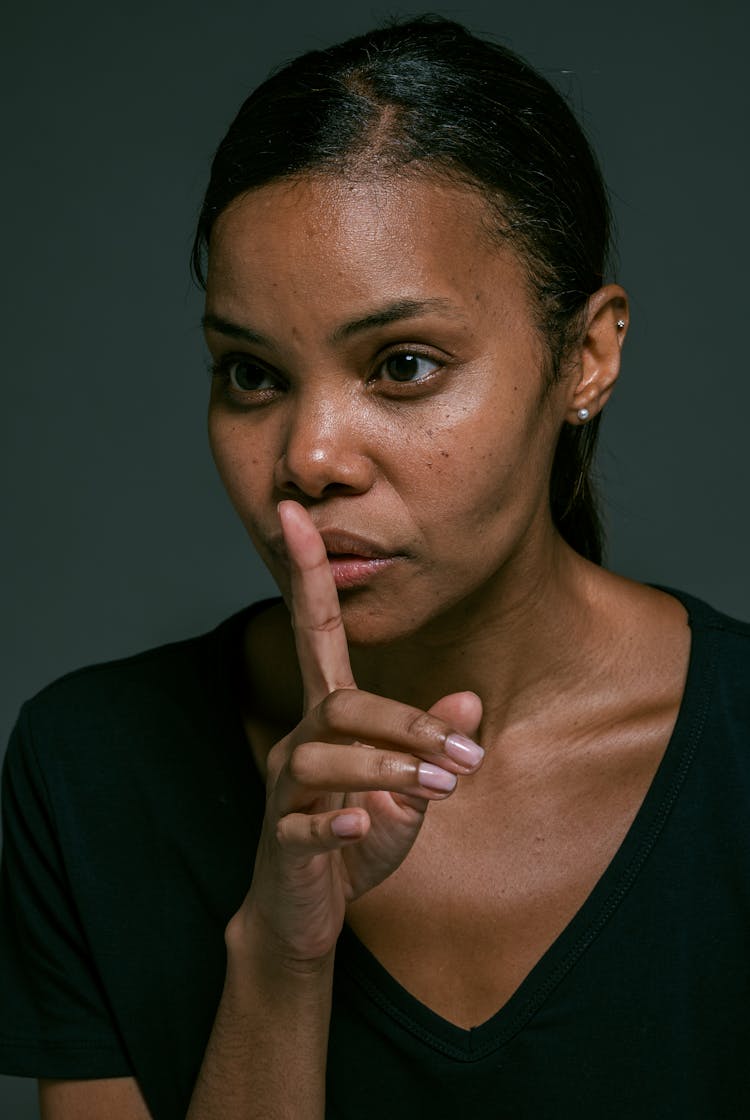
316 614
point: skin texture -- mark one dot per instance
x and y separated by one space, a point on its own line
406 457
335 428
117 1097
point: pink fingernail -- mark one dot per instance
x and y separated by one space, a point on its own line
433 777
463 750
348 824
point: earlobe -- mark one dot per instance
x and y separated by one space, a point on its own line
598 362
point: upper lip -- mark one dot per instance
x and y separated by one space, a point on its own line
340 542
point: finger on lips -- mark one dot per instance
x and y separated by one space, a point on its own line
319 634
389 745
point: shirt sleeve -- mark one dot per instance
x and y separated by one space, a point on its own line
54 1018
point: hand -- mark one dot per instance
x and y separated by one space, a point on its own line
349 786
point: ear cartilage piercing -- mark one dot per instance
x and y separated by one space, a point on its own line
583 415
620 324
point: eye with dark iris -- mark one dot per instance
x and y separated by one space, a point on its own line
247 376
408 367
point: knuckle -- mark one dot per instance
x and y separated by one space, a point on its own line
282 832
294 832
328 624
423 726
301 764
335 709
327 708
384 768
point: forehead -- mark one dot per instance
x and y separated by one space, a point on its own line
340 241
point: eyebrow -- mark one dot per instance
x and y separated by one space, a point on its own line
213 322
392 313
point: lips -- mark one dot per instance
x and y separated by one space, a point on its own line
354 559
342 544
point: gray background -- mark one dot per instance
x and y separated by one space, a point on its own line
117 535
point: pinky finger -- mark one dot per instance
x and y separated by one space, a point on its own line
309 834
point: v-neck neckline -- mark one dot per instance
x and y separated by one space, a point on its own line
597 909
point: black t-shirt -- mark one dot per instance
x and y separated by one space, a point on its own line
132 810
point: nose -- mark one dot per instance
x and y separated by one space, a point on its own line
323 452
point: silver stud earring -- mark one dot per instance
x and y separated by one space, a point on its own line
583 415
620 324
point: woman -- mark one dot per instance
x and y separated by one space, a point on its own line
465 851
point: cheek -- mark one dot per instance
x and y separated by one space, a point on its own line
476 472
463 455
239 461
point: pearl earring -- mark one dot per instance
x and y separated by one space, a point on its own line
583 415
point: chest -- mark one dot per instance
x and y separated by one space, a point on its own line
494 879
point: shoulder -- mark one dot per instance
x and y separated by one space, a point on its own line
132 688
180 693
702 613
720 665
730 636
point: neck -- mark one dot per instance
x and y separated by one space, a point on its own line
525 642
518 642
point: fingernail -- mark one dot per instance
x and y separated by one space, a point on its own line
463 750
433 777
348 824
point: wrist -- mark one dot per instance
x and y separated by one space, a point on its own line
250 942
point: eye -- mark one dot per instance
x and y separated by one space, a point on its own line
245 375
407 366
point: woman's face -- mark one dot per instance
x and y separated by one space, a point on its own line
377 360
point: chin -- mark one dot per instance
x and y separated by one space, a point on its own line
372 625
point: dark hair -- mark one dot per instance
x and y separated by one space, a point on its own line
427 93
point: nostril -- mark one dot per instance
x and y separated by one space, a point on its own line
323 472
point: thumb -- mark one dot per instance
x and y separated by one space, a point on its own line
461 709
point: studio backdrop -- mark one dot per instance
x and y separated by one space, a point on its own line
117 535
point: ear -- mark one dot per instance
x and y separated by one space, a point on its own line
597 362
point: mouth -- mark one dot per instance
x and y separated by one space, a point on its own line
340 544
351 570
354 560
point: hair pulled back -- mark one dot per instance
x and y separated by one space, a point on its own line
426 95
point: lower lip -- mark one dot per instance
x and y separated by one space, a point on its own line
356 571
